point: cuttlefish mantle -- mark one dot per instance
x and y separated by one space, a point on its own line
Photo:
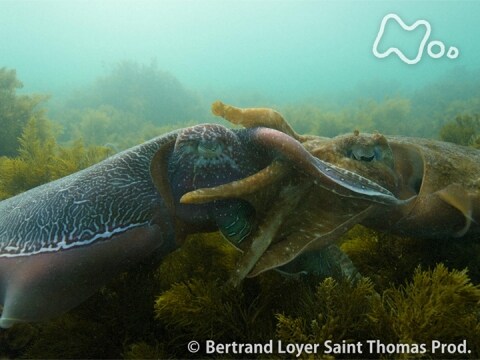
61 241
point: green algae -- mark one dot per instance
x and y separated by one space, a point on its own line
437 304
15 111
41 159
340 312
388 259
202 255
154 309
142 350
463 130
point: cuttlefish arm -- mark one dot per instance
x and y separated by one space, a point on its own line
337 180
327 175
319 235
239 188
254 117
271 130
61 241
297 223
266 231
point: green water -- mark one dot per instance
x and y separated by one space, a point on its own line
112 74
282 50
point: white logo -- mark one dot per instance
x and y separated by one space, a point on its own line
452 51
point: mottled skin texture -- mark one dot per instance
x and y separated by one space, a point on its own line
211 155
83 213
81 229
65 239
444 177
441 181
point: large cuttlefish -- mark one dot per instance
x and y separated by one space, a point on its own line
440 182
61 241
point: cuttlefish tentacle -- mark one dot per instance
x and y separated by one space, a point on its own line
254 117
210 156
203 156
330 177
265 177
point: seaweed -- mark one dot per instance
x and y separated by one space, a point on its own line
70 337
14 341
15 111
41 159
463 130
207 256
436 305
106 125
144 90
200 304
155 309
390 115
388 259
382 257
340 312
129 104
107 325
142 350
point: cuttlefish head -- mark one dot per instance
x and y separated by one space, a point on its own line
355 166
368 155
211 156
207 156
328 174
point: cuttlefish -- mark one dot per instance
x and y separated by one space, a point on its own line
439 183
61 241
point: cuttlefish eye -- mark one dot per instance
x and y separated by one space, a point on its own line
210 149
207 140
362 153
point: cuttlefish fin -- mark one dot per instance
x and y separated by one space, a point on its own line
302 240
456 196
43 285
